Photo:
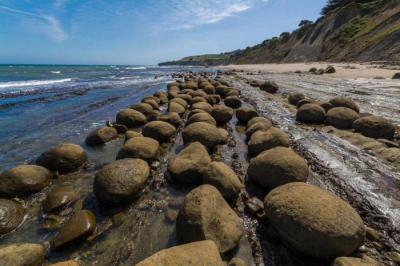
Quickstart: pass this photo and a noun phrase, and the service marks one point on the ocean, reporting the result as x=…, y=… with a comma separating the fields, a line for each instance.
x=44, y=105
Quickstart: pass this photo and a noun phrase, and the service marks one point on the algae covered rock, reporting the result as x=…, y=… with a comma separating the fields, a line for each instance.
x=222, y=114
x=259, y=119
x=24, y=254
x=244, y=114
x=58, y=198
x=139, y=148
x=260, y=126
x=121, y=181
x=205, y=215
x=264, y=140
x=196, y=253
x=311, y=114
x=187, y=166
x=314, y=221
x=202, y=106
x=269, y=86
x=176, y=107
x=64, y=158
x=276, y=167
x=375, y=127
x=130, y=134
x=233, y=102
x=202, y=117
x=172, y=118
x=12, y=215
x=295, y=97
x=78, y=228
x=101, y=136
x=208, y=135
x=223, y=178
x=159, y=130
x=24, y=180
x=350, y=261
x=143, y=108
x=341, y=117
x=131, y=118
x=345, y=102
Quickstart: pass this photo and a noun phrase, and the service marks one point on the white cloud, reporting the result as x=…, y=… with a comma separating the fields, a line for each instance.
x=186, y=14
x=48, y=24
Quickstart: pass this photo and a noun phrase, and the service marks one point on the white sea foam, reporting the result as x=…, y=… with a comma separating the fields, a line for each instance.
x=56, y=72
x=137, y=68
x=28, y=83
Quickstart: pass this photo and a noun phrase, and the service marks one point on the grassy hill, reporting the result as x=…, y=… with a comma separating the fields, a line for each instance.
x=348, y=30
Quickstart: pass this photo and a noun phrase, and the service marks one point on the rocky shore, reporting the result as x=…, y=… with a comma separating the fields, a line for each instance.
x=211, y=171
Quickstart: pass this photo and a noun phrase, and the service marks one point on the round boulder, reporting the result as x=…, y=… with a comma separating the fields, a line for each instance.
x=159, y=130
x=58, y=198
x=139, y=148
x=143, y=108
x=276, y=167
x=269, y=86
x=223, y=178
x=64, y=158
x=206, y=134
x=233, y=102
x=12, y=215
x=375, y=127
x=172, y=118
x=121, y=181
x=345, y=102
x=180, y=101
x=131, y=118
x=311, y=114
x=130, y=134
x=341, y=117
x=295, y=97
x=303, y=102
x=202, y=117
x=263, y=126
x=176, y=108
x=186, y=167
x=24, y=180
x=264, y=140
x=222, y=114
x=244, y=114
x=101, y=136
x=205, y=215
x=202, y=106
x=24, y=254
x=259, y=119
x=314, y=221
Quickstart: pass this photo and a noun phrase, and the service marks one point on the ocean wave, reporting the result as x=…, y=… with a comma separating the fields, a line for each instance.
x=29, y=83
x=136, y=68
x=56, y=72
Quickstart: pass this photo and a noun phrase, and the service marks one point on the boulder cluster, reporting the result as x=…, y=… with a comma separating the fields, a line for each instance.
x=342, y=113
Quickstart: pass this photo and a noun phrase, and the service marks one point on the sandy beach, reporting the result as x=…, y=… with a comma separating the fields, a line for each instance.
x=343, y=70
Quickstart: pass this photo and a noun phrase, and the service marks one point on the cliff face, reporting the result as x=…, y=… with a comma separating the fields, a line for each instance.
x=361, y=30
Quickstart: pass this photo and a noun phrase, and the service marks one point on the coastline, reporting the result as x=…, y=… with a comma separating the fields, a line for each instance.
x=343, y=70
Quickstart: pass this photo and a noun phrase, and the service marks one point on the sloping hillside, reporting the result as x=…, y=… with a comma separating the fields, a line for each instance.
x=348, y=30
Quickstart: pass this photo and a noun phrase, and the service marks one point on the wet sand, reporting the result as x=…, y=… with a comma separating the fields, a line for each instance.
x=343, y=70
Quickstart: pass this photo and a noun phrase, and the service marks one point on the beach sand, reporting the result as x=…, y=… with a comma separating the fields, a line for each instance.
x=343, y=70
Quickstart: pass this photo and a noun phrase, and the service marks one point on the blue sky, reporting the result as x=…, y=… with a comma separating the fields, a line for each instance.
x=140, y=31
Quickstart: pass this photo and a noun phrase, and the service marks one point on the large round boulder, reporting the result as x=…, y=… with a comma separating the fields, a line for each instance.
x=311, y=114
x=223, y=178
x=58, y=198
x=304, y=102
x=163, y=96
x=375, y=127
x=244, y=114
x=130, y=134
x=176, y=108
x=24, y=254
x=180, y=101
x=12, y=215
x=208, y=135
x=276, y=167
x=159, y=130
x=139, y=148
x=345, y=102
x=295, y=97
x=205, y=215
x=121, y=181
x=187, y=166
x=341, y=117
x=143, y=108
x=172, y=118
x=24, y=180
x=152, y=102
x=264, y=140
x=263, y=126
x=222, y=114
x=101, y=136
x=259, y=119
x=233, y=102
x=201, y=117
x=354, y=261
x=202, y=106
x=196, y=253
x=269, y=86
x=64, y=158
x=314, y=221
x=131, y=118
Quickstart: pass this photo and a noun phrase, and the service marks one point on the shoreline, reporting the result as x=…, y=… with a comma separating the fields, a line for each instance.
x=343, y=70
